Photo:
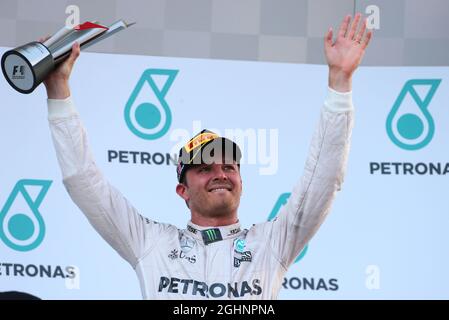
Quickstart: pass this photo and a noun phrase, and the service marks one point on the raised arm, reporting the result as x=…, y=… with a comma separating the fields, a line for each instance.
x=312, y=197
x=110, y=213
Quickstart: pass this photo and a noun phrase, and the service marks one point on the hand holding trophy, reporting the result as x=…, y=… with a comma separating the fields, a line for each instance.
x=25, y=67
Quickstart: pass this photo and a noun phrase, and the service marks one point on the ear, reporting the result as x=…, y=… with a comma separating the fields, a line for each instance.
x=181, y=190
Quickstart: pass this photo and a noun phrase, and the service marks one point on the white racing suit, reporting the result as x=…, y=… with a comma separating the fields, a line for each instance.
x=207, y=263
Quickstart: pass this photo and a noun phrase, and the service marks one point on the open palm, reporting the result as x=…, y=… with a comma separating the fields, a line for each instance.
x=345, y=54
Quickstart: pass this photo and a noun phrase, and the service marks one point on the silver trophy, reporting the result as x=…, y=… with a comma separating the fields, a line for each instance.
x=25, y=67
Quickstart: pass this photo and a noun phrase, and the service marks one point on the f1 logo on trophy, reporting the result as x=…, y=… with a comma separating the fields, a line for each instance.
x=25, y=67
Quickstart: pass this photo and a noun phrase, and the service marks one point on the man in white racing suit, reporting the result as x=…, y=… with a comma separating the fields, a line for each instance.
x=213, y=258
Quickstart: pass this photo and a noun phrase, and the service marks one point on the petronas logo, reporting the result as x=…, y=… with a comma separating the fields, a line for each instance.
x=410, y=124
x=147, y=113
x=22, y=227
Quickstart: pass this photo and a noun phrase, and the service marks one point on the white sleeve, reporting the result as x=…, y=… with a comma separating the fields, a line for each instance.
x=109, y=212
x=323, y=175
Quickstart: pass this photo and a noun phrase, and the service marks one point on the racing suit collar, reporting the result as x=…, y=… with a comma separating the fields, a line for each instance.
x=213, y=234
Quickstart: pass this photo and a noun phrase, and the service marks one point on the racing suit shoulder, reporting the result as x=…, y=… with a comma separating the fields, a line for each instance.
x=312, y=196
x=109, y=212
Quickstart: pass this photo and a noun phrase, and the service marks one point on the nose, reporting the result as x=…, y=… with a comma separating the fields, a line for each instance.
x=220, y=174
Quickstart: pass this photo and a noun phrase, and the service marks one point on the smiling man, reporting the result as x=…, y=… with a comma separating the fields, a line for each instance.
x=214, y=257
x=209, y=179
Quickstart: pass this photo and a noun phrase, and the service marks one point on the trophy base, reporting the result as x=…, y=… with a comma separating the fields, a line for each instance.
x=25, y=67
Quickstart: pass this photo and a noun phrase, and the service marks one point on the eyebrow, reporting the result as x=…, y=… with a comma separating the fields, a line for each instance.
x=202, y=165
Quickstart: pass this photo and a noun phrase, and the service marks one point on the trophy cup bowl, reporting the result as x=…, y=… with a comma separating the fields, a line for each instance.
x=25, y=67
